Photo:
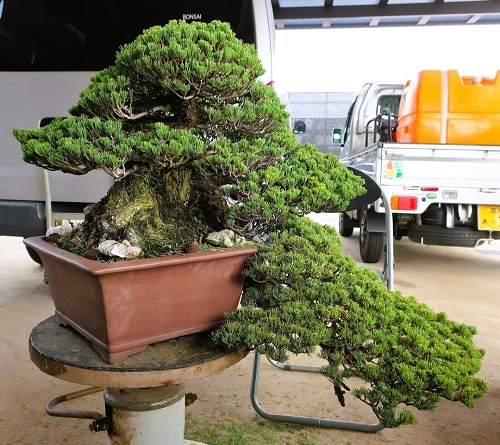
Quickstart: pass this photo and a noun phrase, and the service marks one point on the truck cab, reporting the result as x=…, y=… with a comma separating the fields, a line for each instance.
x=360, y=127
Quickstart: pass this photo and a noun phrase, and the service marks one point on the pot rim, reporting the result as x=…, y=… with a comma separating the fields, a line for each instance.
x=39, y=244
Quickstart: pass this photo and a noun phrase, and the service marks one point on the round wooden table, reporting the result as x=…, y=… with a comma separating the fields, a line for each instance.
x=144, y=395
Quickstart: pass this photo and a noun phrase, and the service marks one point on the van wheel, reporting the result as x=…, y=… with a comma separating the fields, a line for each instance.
x=34, y=256
x=441, y=236
x=371, y=244
x=343, y=230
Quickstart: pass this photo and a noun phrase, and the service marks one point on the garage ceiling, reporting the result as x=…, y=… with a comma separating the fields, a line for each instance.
x=310, y=14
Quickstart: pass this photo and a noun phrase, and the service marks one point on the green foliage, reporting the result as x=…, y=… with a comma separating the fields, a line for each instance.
x=80, y=144
x=189, y=75
x=197, y=144
x=303, y=292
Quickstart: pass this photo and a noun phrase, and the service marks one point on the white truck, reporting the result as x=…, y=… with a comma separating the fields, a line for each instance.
x=440, y=193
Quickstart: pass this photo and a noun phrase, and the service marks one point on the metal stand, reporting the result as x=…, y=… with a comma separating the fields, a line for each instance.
x=310, y=421
x=388, y=278
x=144, y=397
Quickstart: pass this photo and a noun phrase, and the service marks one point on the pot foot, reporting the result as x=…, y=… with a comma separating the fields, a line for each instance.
x=60, y=321
x=113, y=358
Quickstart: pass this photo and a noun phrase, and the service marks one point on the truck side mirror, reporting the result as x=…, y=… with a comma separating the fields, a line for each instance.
x=337, y=135
x=299, y=126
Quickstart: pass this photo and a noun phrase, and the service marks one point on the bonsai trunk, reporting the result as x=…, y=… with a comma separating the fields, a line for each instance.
x=154, y=210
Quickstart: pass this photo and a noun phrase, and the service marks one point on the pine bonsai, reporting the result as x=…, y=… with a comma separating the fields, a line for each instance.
x=197, y=144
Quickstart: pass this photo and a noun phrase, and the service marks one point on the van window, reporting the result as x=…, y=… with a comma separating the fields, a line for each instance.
x=84, y=35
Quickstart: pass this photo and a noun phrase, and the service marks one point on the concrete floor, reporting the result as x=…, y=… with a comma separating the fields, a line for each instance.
x=459, y=281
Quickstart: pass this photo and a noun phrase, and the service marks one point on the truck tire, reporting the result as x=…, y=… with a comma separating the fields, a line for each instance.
x=371, y=244
x=343, y=230
x=441, y=236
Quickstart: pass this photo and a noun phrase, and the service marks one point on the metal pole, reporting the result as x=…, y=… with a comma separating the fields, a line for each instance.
x=389, y=243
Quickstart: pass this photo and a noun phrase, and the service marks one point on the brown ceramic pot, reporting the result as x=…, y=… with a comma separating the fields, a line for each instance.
x=125, y=306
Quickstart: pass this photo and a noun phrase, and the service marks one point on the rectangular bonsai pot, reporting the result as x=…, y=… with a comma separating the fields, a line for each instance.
x=123, y=307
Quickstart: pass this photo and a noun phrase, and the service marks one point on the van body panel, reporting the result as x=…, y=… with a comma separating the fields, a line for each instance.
x=265, y=37
x=55, y=92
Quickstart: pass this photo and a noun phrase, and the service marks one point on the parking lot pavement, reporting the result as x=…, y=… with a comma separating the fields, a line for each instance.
x=461, y=282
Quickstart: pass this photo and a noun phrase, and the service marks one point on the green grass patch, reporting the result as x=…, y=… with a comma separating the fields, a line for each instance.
x=247, y=433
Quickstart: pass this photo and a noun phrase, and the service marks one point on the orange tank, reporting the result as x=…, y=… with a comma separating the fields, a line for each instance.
x=442, y=107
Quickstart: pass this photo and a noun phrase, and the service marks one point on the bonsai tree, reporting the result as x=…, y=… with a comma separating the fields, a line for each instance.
x=197, y=145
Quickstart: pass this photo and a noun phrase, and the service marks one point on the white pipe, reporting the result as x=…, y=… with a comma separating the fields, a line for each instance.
x=163, y=426
x=48, y=199
x=149, y=416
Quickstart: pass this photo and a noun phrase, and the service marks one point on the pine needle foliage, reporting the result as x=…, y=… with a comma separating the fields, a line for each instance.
x=196, y=144
x=303, y=292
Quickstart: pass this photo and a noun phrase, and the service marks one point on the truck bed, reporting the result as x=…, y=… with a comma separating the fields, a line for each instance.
x=473, y=170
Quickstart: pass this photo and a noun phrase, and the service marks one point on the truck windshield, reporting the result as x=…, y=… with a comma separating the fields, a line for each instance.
x=84, y=35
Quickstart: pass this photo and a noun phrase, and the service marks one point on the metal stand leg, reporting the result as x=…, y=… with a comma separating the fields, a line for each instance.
x=290, y=367
x=389, y=244
x=311, y=421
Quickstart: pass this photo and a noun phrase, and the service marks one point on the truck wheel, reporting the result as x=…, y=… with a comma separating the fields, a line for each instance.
x=343, y=230
x=441, y=236
x=371, y=244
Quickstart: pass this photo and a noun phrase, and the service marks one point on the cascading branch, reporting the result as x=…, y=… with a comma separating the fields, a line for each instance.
x=196, y=144
x=303, y=292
